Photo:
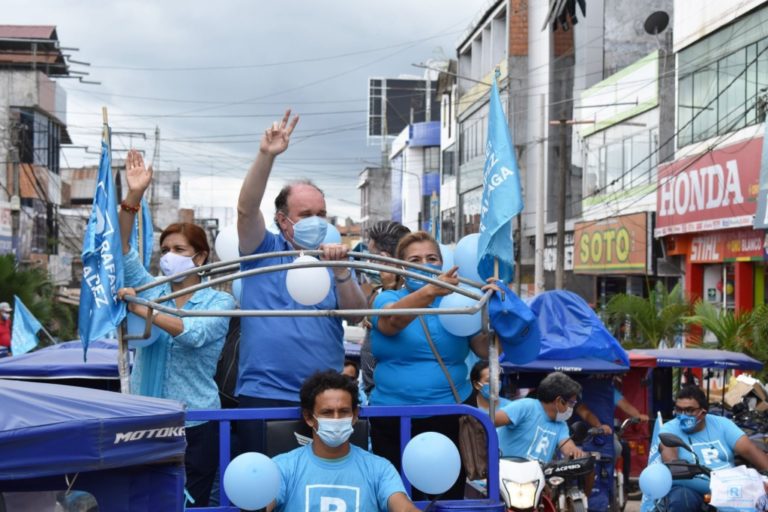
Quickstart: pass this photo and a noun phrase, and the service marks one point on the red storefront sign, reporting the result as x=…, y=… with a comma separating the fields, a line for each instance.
x=716, y=190
x=733, y=245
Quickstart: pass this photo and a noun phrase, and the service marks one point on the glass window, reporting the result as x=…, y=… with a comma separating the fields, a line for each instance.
x=448, y=226
x=431, y=158
x=685, y=110
x=614, y=167
x=731, y=86
x=449, y=162
x=705, y=114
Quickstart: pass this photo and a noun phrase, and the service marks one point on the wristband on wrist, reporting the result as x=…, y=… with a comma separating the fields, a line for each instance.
x=130, y=208
x=344, y=279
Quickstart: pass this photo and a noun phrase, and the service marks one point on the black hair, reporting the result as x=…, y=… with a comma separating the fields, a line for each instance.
x=323, y=381
x=354, y=364
x=477, y=370
x=281, y=201
x=557, y=384
x=387, y=234
x=689, y=391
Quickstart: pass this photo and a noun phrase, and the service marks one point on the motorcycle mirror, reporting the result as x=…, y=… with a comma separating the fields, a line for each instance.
x=579, y=432
x=672, y=441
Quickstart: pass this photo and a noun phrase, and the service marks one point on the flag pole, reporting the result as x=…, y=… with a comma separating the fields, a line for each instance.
x=493, y=360
x=122, y=344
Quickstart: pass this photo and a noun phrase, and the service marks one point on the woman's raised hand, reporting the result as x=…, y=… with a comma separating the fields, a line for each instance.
x=137, y=175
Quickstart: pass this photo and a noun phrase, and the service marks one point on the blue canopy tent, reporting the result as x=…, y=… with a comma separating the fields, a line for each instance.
x=125, y=450
x=693, y=358
x=63, y=363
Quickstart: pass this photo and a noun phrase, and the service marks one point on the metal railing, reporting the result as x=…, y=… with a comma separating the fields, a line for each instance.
x=225, y=417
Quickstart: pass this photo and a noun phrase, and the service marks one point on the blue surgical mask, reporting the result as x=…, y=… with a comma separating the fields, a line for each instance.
x=485, y=391
x=414, y=284
x=687, y=422
x=172, y=263
x=334, y=432
x=309, y=232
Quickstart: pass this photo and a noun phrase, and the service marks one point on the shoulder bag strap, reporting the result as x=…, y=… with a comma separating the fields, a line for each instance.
x=439, y=359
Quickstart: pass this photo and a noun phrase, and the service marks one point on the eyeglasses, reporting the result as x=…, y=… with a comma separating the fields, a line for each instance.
x=570, y=403
x=690, y=411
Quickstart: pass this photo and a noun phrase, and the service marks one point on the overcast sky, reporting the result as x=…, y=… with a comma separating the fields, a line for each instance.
x=213, y=75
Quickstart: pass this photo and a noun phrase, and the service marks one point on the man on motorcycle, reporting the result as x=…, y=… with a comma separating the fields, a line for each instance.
x=534, y=428
x=714, y=439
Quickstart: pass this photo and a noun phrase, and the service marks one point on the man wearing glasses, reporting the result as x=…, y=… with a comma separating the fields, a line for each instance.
x=715, y=440
x=534, y=429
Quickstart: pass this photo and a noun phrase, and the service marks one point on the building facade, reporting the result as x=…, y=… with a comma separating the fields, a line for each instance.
x=706, y=196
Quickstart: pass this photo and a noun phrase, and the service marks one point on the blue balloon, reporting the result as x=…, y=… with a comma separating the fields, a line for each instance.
x=447, y=254
x=332, y=235
x=237, y=290
x=460, y=325
x=465, y=256
x=136, y=328
x=656, y=481
x=431, y=462
x=252, y=481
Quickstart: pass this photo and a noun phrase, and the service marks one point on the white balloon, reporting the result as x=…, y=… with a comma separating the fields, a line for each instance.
x=308, y=286
x=227, y=244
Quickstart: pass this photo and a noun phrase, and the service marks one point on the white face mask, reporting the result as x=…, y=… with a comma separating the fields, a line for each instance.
x=565, y=415
x=172, y=263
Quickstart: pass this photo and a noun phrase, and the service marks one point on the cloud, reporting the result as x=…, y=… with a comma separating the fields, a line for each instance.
x=210, y=120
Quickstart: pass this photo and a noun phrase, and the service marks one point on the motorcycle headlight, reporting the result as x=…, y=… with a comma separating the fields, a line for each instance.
x=520, y=496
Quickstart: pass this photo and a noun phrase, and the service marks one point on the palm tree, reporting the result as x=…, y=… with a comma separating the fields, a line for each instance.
x=37, y=293
x=655, y=319
x=733, y=331
x=745, y=332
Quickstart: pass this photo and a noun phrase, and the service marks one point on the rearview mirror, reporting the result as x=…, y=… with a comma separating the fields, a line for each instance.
x=672, y=441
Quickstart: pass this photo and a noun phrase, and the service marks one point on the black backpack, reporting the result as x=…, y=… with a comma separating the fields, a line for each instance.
x=226, y=368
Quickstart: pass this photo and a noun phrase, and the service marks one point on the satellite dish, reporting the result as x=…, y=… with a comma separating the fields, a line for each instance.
x=656, y=23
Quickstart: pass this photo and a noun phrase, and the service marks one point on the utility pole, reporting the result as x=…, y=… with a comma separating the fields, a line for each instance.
x=541, y=185
x=15, y=198
x=562, y=176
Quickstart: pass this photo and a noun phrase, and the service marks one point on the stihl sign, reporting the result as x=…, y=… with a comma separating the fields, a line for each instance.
x=709, y=192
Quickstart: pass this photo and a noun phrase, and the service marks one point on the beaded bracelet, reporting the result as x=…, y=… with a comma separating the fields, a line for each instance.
x=128, y=208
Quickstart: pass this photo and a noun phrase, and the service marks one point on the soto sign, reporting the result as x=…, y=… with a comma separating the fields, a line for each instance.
x=609, y=246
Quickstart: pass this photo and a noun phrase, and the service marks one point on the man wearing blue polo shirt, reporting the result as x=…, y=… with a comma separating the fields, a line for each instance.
x=278, y=354
x=535, y=428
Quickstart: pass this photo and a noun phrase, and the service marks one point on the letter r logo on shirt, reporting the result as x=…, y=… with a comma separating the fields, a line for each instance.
x=710, y=456
x=543, y=445
x=328, y=504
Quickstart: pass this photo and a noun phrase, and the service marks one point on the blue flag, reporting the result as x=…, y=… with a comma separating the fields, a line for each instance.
x=654, y=457
x=146, y=232
x=24, y=330
x=502, y=199
x=100, y=309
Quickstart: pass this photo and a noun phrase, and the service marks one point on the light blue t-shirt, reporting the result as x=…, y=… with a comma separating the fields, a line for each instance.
x=358, y=482
x=407, y=372
x=531, y=434
x=189, y=359
x=278, y=354
x=713, y=446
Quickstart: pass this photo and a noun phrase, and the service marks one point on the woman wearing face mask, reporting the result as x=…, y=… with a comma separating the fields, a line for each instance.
x=181, y=363
x=480, y=377
x=407, y=371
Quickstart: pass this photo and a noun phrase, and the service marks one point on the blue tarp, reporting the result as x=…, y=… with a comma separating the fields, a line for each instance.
x=573, y=338
x=49, y=429
x=64, y=361
x=695, y=358
x=570, y=330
